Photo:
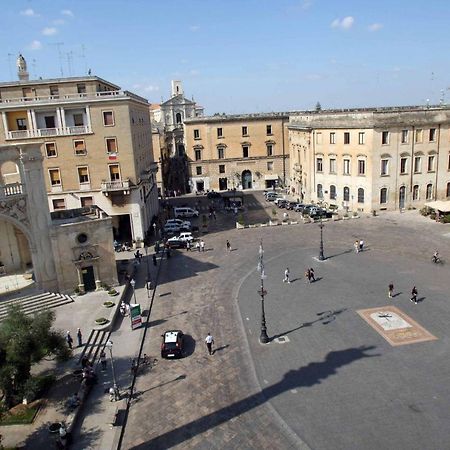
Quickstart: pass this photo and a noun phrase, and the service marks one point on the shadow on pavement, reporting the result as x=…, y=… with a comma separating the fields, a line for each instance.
x=189, y=345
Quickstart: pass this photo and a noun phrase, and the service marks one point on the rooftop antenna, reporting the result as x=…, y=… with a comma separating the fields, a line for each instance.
x=83, y=56
x=58, y=45
x=69, y=56
x=33, y=65
x=10, y=55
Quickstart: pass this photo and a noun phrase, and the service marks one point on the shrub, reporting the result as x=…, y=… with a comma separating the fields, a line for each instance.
x=112, y=291
x=446, y=218
x=274, y=212
x=355, y=214
x=425, y=211
x=241, y=220
x=101, y=321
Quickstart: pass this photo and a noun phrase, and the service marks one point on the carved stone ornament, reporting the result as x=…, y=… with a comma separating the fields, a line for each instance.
x=17, y=209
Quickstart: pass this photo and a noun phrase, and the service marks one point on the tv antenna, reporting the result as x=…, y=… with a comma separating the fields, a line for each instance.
x=69, y=56
x=58, y=45
x=10, y=55
x=83, y=56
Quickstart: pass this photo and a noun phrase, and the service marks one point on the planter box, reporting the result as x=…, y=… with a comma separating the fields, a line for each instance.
x=263, y=225
x=272, y=224
x=294, y=222
x=239, y=226
x=355, y=217
x=252, y=226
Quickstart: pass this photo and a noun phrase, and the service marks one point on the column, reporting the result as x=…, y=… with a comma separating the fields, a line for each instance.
x=80, y=279
x=5, y=124
x=33, y=121
x=88, y=118
x=63, y=118
x=98, y=282
x=58, y=119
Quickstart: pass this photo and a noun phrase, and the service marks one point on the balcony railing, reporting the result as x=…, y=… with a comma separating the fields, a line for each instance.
x=45, y=132
x=8, y=190
x=117, y=185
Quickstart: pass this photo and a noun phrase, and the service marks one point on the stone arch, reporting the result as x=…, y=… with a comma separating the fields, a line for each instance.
x=246, y=179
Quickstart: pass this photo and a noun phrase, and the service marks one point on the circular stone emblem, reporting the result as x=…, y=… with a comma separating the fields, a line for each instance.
x=82, y=238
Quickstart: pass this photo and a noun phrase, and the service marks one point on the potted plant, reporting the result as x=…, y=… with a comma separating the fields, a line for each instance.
x=108, y=304
x=112, y=292
x=101, y=321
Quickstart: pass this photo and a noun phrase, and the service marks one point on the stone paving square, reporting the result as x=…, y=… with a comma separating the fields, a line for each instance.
x=395, y=326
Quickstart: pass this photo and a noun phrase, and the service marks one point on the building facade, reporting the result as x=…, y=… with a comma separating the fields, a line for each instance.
x=96, y=143
x=372, y=159
x=237, y=152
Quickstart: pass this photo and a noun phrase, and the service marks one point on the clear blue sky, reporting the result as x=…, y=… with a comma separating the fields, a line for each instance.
x=241, y=55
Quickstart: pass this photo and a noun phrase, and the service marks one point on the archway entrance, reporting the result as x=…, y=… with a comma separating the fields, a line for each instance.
x=88, y=278
x=246, y=179
x=223, y=184
x=401, y=197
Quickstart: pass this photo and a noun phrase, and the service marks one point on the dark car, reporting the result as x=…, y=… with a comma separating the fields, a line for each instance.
x=321, y=213
x=290, y=205
x=175, y=243
x=213, y=194
x=172, y=344
x=282, y=203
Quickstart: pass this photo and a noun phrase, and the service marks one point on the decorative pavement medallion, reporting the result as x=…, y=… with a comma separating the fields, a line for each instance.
x=395, y=326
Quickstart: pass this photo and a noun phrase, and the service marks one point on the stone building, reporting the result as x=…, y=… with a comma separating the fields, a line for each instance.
x=237, y=151
x=371, y=159
x=168, y=138
x=96, y=142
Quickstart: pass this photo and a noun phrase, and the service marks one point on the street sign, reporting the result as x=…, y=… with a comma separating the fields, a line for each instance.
x=135, y=315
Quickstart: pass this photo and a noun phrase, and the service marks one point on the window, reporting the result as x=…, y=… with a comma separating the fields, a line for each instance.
x=332, y=192
x=269, y=149
x=244, y=131
x=58, y=203
x=361, y=138
x=114, y=172
x=83, y=175
x=417, y=164
x=81, y=88
x=431, y=159
x=196, y=134
x=178, y=118
x=108, y=118
x=219, y=132
x=403, y=165
x=269, y=166
x=55, y=177
x=220, y=152
x=346, y=194
x=21, y=124
x=268, y=129
x=383, y=195
x=78, y=120
x=385, y=138
x=80, y=147
x=221, y=168
x=429, y=191
x=448, y=162
x=361, y=167
x=384, y=167
x=319, y=165
x=360, y=195
x=198, y=170
x=198, y=154
x=432, y=135
x=50, y=149
x=245, y=151
x=318, y=138
x=416, y=192
x=111, y=145
x=346, y=167
x=319, y=191
x=86, y=201
x=419, y=136
x=404, y=138
x=54, y=91
x=332, y=165
x=332, y=138
x=448, y=190
x=346, y=137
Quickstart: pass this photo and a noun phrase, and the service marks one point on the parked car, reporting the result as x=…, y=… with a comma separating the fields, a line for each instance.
x=271, y=196
x=185, y=212
x=299, y=207
x=321, y=213
x=213, y=194
x=172, y=228
x=282, y=203
x=174, y=242
x=184, y=237
x=290, y=205
x=172, y=344
x=279, y=199
x=183, y=224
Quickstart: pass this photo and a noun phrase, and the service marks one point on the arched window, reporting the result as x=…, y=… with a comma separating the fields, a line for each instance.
x=360, y=195
x=383, y=195
x=346, y=194
x=448, y=189
x=416, y=192
x=319, y=191
x=178, y=118
x=332, y=192
x=429, y=191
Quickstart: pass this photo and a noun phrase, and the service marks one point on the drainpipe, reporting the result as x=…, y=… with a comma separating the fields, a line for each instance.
x=284, y=155
x=313, y=187
x=413, y=137
x=437, y=161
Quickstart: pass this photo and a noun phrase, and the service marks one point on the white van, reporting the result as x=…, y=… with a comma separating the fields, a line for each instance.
x=185, y=212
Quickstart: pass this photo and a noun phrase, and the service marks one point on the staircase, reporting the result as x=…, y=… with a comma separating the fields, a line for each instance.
x=35, y=303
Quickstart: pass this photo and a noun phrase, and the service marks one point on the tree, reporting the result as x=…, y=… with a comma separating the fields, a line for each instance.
x=24, y=341
x=318, y=106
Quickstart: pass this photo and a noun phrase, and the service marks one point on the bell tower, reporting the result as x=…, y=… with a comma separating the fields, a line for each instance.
x=177, y=88
x=22, y=68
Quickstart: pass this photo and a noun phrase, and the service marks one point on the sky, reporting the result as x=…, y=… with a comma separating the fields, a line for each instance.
x=240, y=56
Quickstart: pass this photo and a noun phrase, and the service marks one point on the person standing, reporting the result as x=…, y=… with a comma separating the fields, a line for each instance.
x=202, y=245
x=286, y=276
x=79, y=337
x=390, y=289
x=361, y=245
x=154, y=259
x=228, y=246
x=311, y=274
x=414, y=295
x=69, y=340
x=308, y=276
x=209, y=341
x=188, y=246
x=356, y=245
x=103, y=359
x=197, y=246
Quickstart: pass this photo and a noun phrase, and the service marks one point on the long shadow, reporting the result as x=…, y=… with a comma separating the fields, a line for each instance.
x=303, y=377
x=340, y=254
x=138, y=394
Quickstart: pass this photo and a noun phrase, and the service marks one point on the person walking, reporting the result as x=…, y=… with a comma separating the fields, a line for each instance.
x=356, y=245
x=311, y=272
x=103, y=359
x=197, y=246
x=79, y=337
x=361, y=245
x=228, y=246
x=308, y=276
x=188, y=246
x=209, y=341
x=202, y=245
x=286, y=276
x=69, y=340
x=414, y=295
x=154, y=259
x=390, y=289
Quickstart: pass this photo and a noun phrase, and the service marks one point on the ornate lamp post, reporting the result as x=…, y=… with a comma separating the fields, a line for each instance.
x=321, y=256
x=109, y=346
x=133, y=284
x=263, y=338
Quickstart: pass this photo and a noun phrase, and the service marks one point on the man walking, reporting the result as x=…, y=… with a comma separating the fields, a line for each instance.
x=202, y=245
x=390, y=289
x=69, y=340
x=209, y=343
x=414, y=295
x=311, y=274
x=356, y=245
x=79, y=337
x=228, y=246
x=286, y=276
x=361, y=245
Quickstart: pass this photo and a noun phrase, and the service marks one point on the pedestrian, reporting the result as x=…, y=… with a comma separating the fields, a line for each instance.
x=103, y=359
x=197, y=246
x=356, y=245
x=69, y=340
x=390, y=289
x=228, y=246
x=361, y=245
x=235, y=211
x=154, y=260
x=79, y=337
x=286, y=276
x=414, y=295
x=84, y=362
x=214, y=215
x=311, y=274
x=308, y=276
x=202, y=245
x=188, y=246
x=209, y=343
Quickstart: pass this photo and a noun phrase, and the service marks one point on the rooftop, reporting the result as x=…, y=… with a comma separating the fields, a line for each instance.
x=76, y=215
x=57, y=81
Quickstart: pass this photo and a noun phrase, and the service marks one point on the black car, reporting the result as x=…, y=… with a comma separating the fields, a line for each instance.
x=175, y=243
x=172, y=345
x=213, y=194
x=321, y=213
x=290, y=205
x=282, y=203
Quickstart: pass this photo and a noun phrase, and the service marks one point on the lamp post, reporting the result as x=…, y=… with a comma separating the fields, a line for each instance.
x=321, y=256
x=109, y=346
x=133, y=284
x=263, y=338
x=148, y=283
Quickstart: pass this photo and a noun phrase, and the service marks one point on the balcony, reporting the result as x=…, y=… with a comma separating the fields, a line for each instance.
x=46, y=132
x=116, y=186
x=9, y=190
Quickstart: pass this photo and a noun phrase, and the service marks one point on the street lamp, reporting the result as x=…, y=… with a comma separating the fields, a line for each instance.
x=148, y=283
x=263, y=338
x=109, y=346
x=321, y=256
x=133, y=283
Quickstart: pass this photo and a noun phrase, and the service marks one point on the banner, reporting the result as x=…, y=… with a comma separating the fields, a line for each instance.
x=135, y=315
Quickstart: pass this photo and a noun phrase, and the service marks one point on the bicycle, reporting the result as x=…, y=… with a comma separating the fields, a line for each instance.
x=436, y=260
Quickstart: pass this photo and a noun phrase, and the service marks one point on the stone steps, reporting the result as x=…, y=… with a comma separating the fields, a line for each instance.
x=35, y=303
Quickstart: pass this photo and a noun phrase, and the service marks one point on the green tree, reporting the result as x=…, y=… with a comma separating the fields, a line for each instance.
x=24, y=341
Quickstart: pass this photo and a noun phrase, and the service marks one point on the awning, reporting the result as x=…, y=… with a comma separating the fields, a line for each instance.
x=440, y=205
x=271, y=177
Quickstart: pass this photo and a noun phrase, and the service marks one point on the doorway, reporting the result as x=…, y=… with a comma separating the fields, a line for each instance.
x=49, y=121
x=88, y=278
x=246, y=179
x=401, y=197
x=200, y=185
x=223, y=184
